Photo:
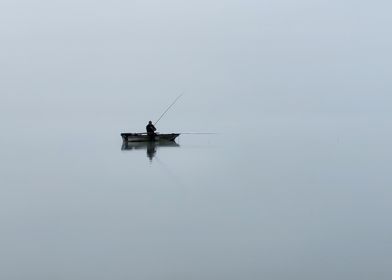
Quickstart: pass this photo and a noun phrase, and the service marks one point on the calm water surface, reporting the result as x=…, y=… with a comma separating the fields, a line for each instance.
x=294, y=199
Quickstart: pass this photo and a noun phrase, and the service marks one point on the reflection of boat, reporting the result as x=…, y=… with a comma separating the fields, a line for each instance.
x=143, y=137
x=150, y=146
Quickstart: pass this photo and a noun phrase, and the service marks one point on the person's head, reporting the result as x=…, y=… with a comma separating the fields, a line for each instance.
x=150, y=122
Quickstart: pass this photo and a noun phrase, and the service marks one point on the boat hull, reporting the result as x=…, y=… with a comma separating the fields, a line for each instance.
x=143, y=137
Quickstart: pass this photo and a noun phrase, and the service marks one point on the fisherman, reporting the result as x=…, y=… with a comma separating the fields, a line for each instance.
x=151, y=130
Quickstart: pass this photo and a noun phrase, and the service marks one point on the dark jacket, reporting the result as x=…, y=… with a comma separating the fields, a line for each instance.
x=150, y=128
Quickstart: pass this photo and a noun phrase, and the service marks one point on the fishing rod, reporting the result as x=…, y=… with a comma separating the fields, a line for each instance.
x=202, y=133
x=178, y=97
x=193, y=133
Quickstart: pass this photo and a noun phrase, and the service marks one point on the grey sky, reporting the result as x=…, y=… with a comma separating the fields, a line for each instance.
x=86, y=58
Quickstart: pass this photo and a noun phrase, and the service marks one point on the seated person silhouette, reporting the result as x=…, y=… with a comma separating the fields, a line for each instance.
x=151, y=131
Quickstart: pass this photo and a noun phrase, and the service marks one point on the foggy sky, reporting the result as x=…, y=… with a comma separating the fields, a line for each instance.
x=127, y=60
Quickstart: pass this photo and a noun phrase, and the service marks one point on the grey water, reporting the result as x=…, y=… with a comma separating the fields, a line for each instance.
x=294, y=184
x=309, y=200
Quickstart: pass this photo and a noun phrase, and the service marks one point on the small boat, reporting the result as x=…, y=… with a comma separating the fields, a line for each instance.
x=143, y=137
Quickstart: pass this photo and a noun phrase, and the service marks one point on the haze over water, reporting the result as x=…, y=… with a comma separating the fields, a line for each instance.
x=294, y=185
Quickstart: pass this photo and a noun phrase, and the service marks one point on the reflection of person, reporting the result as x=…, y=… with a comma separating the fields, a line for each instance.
x=151, y=130
x=151, y=150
